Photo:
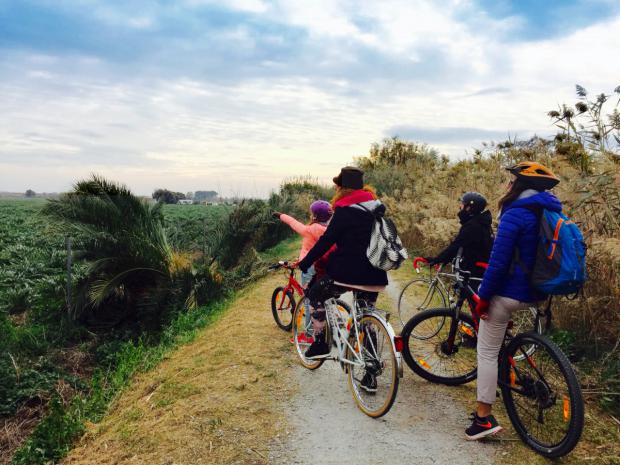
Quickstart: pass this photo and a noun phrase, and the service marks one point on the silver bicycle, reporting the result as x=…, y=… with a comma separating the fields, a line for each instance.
x=366, y=347
x=436, y=290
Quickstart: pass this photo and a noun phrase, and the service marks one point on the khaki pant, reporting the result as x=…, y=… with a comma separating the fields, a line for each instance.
x=490, y=337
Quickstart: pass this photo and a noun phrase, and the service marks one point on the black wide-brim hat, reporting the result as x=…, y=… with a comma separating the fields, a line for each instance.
x=350, y=177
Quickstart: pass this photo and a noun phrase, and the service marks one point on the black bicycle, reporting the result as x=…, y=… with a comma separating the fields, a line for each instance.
x=539, y=386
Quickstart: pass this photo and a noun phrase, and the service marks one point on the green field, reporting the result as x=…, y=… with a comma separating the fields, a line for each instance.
x=189, y=227
x=33, y=256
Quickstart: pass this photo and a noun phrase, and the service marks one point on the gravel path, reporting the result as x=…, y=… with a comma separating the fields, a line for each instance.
x=425, y=425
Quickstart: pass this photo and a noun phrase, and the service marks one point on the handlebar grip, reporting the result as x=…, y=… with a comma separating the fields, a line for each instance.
x=416, y=260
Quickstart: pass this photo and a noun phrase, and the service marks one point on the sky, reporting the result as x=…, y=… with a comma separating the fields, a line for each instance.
x=237, y=95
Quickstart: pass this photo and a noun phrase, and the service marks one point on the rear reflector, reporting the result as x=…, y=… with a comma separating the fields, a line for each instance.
x=398, y=343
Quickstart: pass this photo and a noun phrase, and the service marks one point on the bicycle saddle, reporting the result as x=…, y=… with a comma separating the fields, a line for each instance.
x=361, y=287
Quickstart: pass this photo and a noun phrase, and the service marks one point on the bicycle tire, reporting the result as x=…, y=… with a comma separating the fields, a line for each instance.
x=280, y=313
x=525, y=321
x=300, y=348
x=391, y=376
x=411, y=302
x=426, y=355
x=544, y=391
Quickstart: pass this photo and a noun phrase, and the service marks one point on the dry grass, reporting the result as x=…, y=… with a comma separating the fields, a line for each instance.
x=214, y=401
x=16, y=429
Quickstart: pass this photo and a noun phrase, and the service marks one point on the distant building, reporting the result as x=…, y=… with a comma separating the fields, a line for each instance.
x=186, y=202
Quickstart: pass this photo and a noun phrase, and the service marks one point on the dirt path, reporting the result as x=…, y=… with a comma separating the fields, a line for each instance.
x=425, y=425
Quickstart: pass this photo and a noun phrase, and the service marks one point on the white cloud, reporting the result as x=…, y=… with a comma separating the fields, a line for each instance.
x=161, y=128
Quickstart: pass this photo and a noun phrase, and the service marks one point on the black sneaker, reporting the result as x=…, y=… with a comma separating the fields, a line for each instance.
x=369, y=383
x=482, y=427
x=318, y=349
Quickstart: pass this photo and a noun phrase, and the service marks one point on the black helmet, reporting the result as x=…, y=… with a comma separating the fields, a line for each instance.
x=475, y=201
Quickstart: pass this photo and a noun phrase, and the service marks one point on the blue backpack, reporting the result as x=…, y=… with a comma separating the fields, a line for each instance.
x=560, y=266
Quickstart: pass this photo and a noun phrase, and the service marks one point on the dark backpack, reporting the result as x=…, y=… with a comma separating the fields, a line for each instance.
x=560, y=266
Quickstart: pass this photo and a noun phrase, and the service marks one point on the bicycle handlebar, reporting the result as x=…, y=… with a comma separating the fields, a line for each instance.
x=283, y=264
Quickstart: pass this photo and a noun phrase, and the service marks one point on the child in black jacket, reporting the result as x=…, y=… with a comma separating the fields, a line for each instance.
x=475, y=238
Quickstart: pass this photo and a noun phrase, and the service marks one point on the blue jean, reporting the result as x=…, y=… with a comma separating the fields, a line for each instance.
x=305, y=280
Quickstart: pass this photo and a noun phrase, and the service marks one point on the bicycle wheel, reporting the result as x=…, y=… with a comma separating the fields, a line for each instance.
x=303, y=335
x=282, y=307
x=428, y=353
x=418, y=295
x=375, y=348
x=542, y=395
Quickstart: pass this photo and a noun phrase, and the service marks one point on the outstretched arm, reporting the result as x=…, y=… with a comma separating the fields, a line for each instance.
x=295, y=225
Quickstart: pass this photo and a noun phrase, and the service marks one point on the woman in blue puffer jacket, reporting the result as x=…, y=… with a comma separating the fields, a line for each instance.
x=505, y=286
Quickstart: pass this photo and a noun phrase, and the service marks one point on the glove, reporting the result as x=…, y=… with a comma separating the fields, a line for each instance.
x=430, y=260
x=482, y=308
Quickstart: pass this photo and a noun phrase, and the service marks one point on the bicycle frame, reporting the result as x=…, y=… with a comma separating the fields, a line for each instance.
x=293, y=284
x=341, y=331
x=466, y=294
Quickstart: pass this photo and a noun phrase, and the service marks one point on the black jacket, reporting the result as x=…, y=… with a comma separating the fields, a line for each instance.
x=476, y=239
x=350, y=230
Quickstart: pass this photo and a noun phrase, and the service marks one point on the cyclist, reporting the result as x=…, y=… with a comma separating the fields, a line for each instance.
x=475, y=238
x=320, y=214
x=505, y=286
x=350, y=229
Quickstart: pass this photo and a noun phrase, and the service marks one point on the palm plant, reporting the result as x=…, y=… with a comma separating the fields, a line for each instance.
x=121, y=238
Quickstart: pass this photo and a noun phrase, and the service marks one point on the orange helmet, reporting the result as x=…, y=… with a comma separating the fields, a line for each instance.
x=535, y=175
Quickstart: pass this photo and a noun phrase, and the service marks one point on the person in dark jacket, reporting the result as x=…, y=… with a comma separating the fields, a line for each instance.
x=349, y=229
x=475, y=238
x=505, y=286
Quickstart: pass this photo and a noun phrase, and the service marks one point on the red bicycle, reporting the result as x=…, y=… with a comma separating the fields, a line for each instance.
x=283, y=298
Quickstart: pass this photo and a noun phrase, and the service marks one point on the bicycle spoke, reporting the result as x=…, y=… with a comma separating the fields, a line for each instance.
x=377, y=354
x=433, y=355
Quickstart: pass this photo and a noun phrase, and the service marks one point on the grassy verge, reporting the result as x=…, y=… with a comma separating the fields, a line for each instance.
x=217, y=400
x=65, y=420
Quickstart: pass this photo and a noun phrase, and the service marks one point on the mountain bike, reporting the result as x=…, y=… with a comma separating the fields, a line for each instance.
x=364, y=344
x=432, y=290
x=538, y=384
x=283, y=301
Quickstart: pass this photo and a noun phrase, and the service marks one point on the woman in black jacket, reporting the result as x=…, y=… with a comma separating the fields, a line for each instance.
x=349, y=229
x=475, y=238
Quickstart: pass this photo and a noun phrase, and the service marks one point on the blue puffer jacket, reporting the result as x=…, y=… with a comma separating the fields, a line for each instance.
x=518, y=227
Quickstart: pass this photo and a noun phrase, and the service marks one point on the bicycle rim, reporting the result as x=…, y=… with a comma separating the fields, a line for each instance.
x=418, y=295
x=302, y=342
x=542, y=396
x=432, y=357
x=282, y=308
x=378, y=354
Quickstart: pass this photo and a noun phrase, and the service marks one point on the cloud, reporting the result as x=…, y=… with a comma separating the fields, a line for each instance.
x=247, y=92
x=451, y=135
x=489, y=91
